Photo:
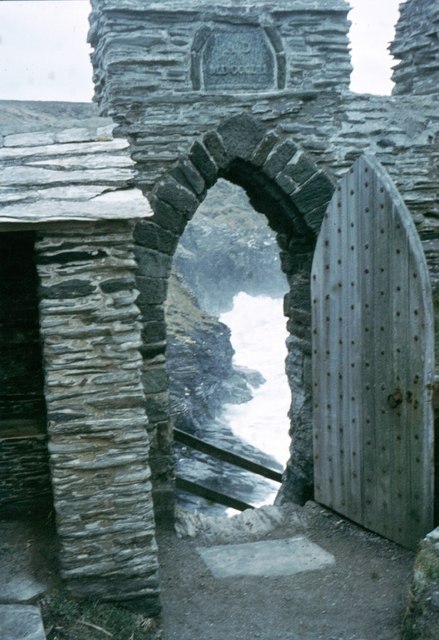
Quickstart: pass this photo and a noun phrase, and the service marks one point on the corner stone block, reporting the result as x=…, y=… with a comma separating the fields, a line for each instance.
x=216, y=148
x=178, y=197
x=202, y=160
x=166, y=216
x=153, y=332
x=152, y=291
x=157, y=407
x=241, y=135
x=155, y=379
x=300, y=168
x=153, y=264
x=151, y=235
x=187, y=175
x=279, y=157
x=315, y=193
x=264, y=148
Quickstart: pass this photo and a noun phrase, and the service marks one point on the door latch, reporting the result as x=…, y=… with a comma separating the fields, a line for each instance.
x=395, y=399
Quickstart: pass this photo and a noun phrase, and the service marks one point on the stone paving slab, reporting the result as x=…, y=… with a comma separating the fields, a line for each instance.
x=21, y=622
x=266, y=558
x=18, y=583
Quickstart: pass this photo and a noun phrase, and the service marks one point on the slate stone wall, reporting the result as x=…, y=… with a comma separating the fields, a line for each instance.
x=160, y=74
x=416, y=46
x=98, y=442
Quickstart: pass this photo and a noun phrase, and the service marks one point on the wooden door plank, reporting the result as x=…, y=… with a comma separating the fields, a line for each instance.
x=372, y=349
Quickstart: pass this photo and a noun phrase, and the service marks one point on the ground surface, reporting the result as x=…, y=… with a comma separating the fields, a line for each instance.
x=361, y=597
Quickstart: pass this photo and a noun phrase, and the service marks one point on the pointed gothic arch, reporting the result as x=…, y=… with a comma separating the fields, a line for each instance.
x=284, y=184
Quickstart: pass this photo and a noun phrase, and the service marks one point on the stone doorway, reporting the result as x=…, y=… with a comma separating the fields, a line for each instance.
x=24, y=468
x=284, y=184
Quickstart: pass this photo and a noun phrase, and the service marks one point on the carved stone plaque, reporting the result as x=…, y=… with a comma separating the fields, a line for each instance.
x=240, y=57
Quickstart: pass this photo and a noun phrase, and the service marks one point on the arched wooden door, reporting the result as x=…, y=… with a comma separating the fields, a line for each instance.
x=373, y=360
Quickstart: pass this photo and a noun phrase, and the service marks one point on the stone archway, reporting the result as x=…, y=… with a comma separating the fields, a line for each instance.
x=283, y=183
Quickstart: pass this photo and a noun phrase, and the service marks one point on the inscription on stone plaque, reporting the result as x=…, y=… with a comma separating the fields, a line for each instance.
x=240, y=57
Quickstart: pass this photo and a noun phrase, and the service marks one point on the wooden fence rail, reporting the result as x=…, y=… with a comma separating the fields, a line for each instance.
x=226, y=456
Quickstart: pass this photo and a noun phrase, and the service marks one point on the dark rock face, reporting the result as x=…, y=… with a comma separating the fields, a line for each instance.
x=228, y=248
x=202, y=377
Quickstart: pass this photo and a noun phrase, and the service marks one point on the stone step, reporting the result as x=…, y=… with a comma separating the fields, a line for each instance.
x=21, y=622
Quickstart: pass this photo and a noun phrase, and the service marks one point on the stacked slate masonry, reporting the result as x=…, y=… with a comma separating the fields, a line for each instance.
x=279, y=121
x=71, y=335
x=179, y=79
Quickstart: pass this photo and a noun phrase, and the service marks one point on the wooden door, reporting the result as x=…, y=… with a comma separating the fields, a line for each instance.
x=373, y=360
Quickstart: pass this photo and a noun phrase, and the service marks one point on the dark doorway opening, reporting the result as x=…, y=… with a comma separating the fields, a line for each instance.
x=24, y=470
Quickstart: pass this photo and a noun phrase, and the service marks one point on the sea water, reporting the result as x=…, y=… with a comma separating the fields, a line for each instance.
x=258, y=334
x=258, y=337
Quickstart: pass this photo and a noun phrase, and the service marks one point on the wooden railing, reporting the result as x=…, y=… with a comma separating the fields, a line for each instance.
x=226, y=456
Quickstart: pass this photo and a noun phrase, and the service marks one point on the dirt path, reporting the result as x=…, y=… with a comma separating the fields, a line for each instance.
x=361, y=597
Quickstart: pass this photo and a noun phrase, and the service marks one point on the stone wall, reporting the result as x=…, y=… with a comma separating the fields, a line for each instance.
x=160, y=75
x=416, y=46
x=98, y=445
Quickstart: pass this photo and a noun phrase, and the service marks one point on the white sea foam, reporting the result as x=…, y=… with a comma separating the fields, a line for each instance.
x=258, y=336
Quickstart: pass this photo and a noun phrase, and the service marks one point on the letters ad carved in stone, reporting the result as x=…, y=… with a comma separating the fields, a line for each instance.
x=238, y=58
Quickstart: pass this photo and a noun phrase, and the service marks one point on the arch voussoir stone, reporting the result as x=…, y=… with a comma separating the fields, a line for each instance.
x=148, y=233
x=280, y=155
x=264, y=148
x=215, y=146
x=312, y=198
x=180, y=198
x=187, y=175
x=204, y=163
x=166, y=216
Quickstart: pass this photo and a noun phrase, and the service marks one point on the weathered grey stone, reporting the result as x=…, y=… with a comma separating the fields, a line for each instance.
x=215, y=147
x=155, y=379
x=263, y=149
x=152, y=290
x=29, y=139
x=416, y=46
x=19, y=584
x=167, y=217
x=266, y=558
x=279, y=157
x=238, y=57
x=153, y=264
x=312, y=193
x=422, y=615
x=21, y=622
x=177, y=196
x=74, y=288
x=188, y=176
x=241, y=135
x=201, y=159
x=151, y=235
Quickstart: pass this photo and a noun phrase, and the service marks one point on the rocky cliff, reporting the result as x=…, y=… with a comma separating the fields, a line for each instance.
x=227, y=248
x=202, y=376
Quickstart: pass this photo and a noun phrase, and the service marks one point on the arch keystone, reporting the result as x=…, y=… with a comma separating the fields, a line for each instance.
x=241, y=135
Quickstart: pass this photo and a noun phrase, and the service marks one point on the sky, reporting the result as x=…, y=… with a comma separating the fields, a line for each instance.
x=44, y=54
